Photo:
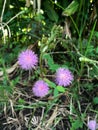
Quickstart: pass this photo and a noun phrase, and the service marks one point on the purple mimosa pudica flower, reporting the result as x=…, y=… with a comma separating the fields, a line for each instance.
x=63, y=77
x=27, y=59
x=40, y=88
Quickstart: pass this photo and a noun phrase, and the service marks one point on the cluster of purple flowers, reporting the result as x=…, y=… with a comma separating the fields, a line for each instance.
x=63, y=77
x=28, y=59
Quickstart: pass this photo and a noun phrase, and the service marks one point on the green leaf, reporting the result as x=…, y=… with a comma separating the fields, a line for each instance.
x=52, y=66
x=48, y=58
x=50, y=11
x=76, y=124
x=71, y=9
x=95, y=100
x=60, y=89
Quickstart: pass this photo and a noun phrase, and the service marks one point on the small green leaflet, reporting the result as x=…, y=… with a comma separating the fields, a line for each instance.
x=76, y=124
x=71, y=9
x=61, y=89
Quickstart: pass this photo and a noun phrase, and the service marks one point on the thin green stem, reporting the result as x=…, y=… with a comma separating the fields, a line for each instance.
x=91, y=35
x=75, y=25
x=57, y=4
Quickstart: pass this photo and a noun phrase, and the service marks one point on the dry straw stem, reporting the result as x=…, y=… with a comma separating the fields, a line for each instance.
x=14, y=17
x=3, y=11
x=9, y=70
x=2, y=25
x=27, y=3
x=38, y=5
x=52, y=118
x=11, y=118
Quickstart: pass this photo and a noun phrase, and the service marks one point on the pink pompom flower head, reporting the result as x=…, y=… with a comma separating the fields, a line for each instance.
x=27, y=59
x=92, y=125
x=40, y=88
x=63, y=77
